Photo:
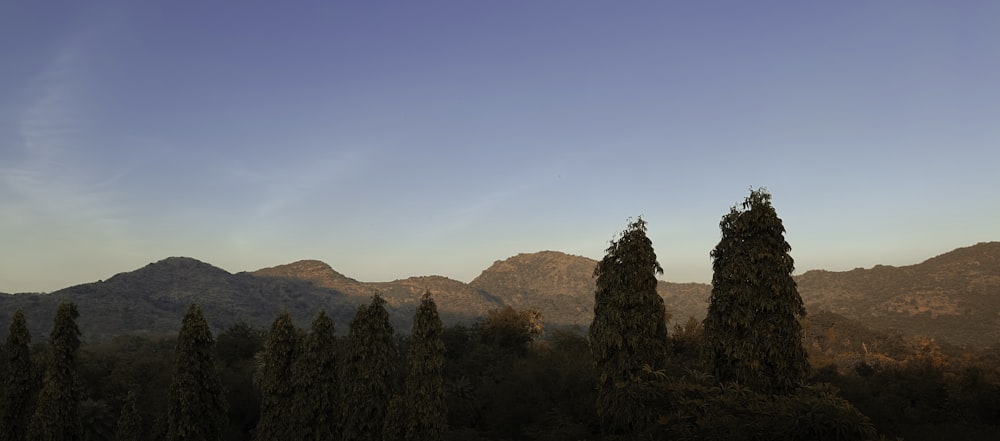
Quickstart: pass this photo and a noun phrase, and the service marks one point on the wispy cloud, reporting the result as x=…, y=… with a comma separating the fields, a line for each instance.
x=49, y=174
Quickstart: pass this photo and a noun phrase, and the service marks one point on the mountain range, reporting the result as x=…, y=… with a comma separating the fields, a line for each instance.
x=953, y=297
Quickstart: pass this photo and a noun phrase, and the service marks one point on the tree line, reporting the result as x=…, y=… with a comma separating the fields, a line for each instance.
x=742, y=373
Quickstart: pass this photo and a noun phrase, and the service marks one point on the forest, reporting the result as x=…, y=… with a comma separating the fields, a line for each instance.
x=749, y=371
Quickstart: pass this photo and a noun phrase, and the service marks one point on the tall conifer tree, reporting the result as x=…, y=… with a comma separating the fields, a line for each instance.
x=57, y=415
x=629, y=330
x=426, y=414
x=752, y=334
x=197, y=408
x=276, y=381
x=317, y=384
x=371, y=352
x=19, y=386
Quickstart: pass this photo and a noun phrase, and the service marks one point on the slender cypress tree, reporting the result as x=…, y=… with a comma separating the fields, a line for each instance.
x=369, y=370
x=317, y=384
x=426, y=413
x=57, y=415
x=277, y=381
x=629, y=330
x=130, y=422
x=196, y=409
x=752, y=334
x=19, y=386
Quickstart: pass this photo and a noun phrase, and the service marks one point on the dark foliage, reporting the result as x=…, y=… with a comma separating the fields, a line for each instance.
x=370, y=368
x=317, y=383
x=197, y=407
x=57, y=416
x=129, y=421
x=19, y=386
x=752, y=333
x=425, y=412
x=276, y=381
x=237, y=347
x=510, y=330
x=629, y=331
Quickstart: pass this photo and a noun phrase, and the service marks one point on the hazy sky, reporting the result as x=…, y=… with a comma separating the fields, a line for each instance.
x=392, y=139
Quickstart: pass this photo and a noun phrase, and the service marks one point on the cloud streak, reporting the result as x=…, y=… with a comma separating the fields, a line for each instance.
x=50, y=175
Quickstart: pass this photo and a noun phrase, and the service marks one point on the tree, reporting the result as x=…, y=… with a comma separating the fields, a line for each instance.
x=19, y=384
x=57, y=415
x=130, y=422
x=510, y=330
x=197, y=409
x=426, y=414
x=318, y=407
x=276, y=381
x=752, y=334
x=629, y=331
x=371, y=352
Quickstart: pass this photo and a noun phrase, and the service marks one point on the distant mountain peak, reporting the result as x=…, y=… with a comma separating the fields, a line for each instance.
x=542, y=260
x=300, y=268
x=174, y=265
x=317, y=272
x=179, y=261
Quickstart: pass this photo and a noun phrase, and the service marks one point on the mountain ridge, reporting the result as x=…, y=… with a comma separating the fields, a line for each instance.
x=953, y=296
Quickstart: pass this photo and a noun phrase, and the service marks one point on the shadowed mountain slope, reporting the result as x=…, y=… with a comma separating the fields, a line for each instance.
x=457, y=301
x=954, y=297
x=154, y=299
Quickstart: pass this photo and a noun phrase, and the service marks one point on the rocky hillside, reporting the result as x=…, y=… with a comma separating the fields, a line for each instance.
x=457, y=301
x=954, y=297
x=154, y=299
x=561, y=286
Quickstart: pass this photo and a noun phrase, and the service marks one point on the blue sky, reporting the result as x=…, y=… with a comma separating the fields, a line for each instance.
x=392, y=139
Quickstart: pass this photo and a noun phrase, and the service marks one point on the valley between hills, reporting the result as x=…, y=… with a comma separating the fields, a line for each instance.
x=953, y=298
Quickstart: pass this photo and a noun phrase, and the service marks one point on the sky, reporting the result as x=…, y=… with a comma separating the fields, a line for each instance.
x=393, y=139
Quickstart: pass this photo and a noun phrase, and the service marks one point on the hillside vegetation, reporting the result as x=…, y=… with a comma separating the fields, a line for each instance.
x=954, y=297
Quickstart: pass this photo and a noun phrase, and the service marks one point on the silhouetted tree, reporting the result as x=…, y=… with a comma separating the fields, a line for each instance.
x=318, y=388
x=276, y=381
x=57, y=415
x=19, y=384
x=629, y=331
x=371, y=352
x=197, y=408
x=130, y=422
x=752, y=334
x=426, y=414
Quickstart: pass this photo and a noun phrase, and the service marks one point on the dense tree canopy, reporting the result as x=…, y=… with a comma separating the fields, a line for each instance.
x=372, y=353
x=629, y=331
x=509, y=329
x=921, y=391
x=426, y=415
x=197, y=407
x=752, y=334
x=276, y=381
x=19, y=385
x=57, y=414
x=317, y=383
